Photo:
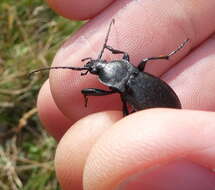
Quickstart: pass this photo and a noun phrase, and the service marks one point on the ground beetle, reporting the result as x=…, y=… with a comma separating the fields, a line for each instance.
x=138, y=89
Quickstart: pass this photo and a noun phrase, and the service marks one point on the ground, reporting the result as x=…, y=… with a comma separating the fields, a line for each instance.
x=30, y=35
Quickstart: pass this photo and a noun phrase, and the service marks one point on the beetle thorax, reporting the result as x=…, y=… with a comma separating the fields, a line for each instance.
x=115, y=74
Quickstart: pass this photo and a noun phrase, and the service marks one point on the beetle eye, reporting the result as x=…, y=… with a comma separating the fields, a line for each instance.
x=93, y=70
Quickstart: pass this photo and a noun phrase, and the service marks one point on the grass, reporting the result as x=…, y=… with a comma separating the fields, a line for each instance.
x=30, y=34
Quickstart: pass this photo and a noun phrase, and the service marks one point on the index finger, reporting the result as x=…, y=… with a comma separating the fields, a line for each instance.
x=158, y=28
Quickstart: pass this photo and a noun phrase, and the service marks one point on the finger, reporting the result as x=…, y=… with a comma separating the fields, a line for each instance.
x=74, y=147
x=79, y=10
x=148, y=139
x=52, y=118
x=194, y=79
x=127, y=34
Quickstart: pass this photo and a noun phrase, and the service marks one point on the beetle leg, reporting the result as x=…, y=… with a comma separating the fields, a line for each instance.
x=142, y=64
x=87, y=58
x=106, y=39
x=125, y=109
x=94, y=92
x=133, y=111
x=115, y=51
x=124, y=106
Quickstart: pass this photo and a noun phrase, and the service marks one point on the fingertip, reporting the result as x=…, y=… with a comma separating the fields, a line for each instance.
x=76, y=144
x=54, y=121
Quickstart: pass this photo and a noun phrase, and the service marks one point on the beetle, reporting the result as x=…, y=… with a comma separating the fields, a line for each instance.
x=137, y=88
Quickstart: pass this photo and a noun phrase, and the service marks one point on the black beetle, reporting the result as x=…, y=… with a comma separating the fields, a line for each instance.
x=139, y=89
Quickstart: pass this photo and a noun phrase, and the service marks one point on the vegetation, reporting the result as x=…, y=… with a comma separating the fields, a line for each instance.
x=30, y=34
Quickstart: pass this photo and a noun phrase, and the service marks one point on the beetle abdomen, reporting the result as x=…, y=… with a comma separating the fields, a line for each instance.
x=151, y=93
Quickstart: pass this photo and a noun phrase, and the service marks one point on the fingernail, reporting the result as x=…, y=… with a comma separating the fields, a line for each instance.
x=178, y=175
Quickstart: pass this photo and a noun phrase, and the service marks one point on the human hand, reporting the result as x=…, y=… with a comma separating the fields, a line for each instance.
x=104, y=151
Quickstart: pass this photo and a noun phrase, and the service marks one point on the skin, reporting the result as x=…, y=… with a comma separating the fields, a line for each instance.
x=159, y=148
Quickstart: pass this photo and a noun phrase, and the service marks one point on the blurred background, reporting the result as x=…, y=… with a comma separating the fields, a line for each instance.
x=30, y=34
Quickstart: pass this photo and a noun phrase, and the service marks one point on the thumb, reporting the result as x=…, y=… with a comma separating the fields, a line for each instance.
x=150, y=139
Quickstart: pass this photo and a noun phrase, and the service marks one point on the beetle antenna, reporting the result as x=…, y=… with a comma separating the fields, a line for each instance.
x=179, y=47
x=49, y=68
x=106, y=39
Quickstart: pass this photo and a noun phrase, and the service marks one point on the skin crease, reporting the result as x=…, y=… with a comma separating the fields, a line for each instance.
x=110, y=154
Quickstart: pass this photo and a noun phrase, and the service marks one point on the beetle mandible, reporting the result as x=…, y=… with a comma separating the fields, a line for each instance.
x=137, y=88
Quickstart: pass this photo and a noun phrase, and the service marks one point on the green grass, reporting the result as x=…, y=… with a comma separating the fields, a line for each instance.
x=30, y=34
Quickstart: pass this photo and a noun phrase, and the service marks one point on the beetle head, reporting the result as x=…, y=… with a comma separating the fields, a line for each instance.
x=93, y=65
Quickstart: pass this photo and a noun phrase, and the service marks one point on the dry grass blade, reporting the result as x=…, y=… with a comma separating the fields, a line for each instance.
x=24, y=119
